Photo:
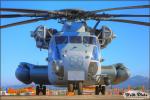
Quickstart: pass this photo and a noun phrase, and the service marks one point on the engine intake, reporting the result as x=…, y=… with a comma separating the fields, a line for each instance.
x=42, y=36
x=117, y=73
x=105, y=36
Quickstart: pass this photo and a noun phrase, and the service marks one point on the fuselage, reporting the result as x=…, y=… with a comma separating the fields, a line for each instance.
x=74, y=54
x=73, y=51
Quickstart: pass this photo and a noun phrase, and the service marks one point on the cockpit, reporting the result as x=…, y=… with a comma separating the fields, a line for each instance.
x=61, y=39
x=75, y=39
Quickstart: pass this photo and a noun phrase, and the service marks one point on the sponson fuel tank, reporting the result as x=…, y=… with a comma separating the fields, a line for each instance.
x=117, y=72
x=28, y=73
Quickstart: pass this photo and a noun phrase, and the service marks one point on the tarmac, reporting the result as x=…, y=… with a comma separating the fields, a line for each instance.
x=79, y=97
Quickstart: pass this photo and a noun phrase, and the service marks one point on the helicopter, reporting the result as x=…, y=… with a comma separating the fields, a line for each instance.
x=74, y=53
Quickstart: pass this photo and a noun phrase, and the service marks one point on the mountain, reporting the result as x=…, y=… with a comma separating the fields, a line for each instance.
x=135, y=81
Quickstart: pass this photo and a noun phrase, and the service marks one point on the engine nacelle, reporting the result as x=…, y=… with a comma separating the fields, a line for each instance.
x=42, y=36
x=28, y=73
x=117, y=73
x=105, y=36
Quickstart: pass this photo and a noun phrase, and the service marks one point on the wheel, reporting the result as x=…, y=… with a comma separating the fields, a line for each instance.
x=96, y=90
x=103, y=90
x=80, y=88
x=99, y=88
x=70, y=87
x=44, y=90
x=37, y=90
x=76, y=92
x=106, y=81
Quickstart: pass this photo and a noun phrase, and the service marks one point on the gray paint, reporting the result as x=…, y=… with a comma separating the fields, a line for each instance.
x=72, y=57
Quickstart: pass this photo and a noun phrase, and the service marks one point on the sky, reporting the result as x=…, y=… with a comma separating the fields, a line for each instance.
x=131, y=47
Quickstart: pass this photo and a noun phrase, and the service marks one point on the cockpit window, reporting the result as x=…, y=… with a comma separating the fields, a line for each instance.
x=61, y=39
x=75, y=39
x=89, y=40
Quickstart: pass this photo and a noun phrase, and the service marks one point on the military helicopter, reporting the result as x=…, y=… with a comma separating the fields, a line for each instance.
x=74, y=53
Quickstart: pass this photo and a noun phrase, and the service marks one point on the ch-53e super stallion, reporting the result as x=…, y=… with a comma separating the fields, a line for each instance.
x=74, y=53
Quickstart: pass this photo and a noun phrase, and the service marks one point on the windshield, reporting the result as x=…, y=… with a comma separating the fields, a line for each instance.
x=75, y=39
x=61, y=39
x=89, y=40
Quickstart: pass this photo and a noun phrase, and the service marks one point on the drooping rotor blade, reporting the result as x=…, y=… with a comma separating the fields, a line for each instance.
x=10, y=16
x=128, y=21
x=24, y=22
x=122, y=8
x=31, y=11
x=26, y=15
x=22, y=10
x=118, y=15
x=60, y=16
x=123, y=15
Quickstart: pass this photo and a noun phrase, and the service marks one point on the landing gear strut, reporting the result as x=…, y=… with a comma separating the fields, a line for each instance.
x=75, y=86
x=99, y=89
x=96, y=90
x=70, y=87
x=80, y=88
x=40, y=89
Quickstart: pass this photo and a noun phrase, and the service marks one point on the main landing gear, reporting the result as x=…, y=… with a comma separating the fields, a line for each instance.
x=40, y=90
x=99, y=89
x=76, y=87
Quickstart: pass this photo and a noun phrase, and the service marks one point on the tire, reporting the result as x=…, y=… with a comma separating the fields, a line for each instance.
x=80, y=88
x=96, y=90
x=99, y=88
x=44, y=90
x=103, y=90
x=106, y=81
x=76, y=92
x=70, y=87
x=37, y=90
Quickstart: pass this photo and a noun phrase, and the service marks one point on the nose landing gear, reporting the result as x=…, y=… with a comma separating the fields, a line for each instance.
x=76, y=87
x=40, y=89
x=99, y=89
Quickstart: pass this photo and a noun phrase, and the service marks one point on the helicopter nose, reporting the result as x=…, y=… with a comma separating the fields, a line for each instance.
x=74, y=59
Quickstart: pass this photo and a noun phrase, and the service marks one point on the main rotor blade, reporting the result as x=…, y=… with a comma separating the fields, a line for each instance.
x=60, y=16
x=129, y=21
x=22, y=10
x=11, y=16
x=128, y=15
x=24, y=22
x=120, y=15
x=104, y=16
x=122, y=8
x=31, y=11
x=25, y=15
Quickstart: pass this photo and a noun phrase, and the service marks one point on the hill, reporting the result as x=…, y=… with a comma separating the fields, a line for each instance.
x=135, y=81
